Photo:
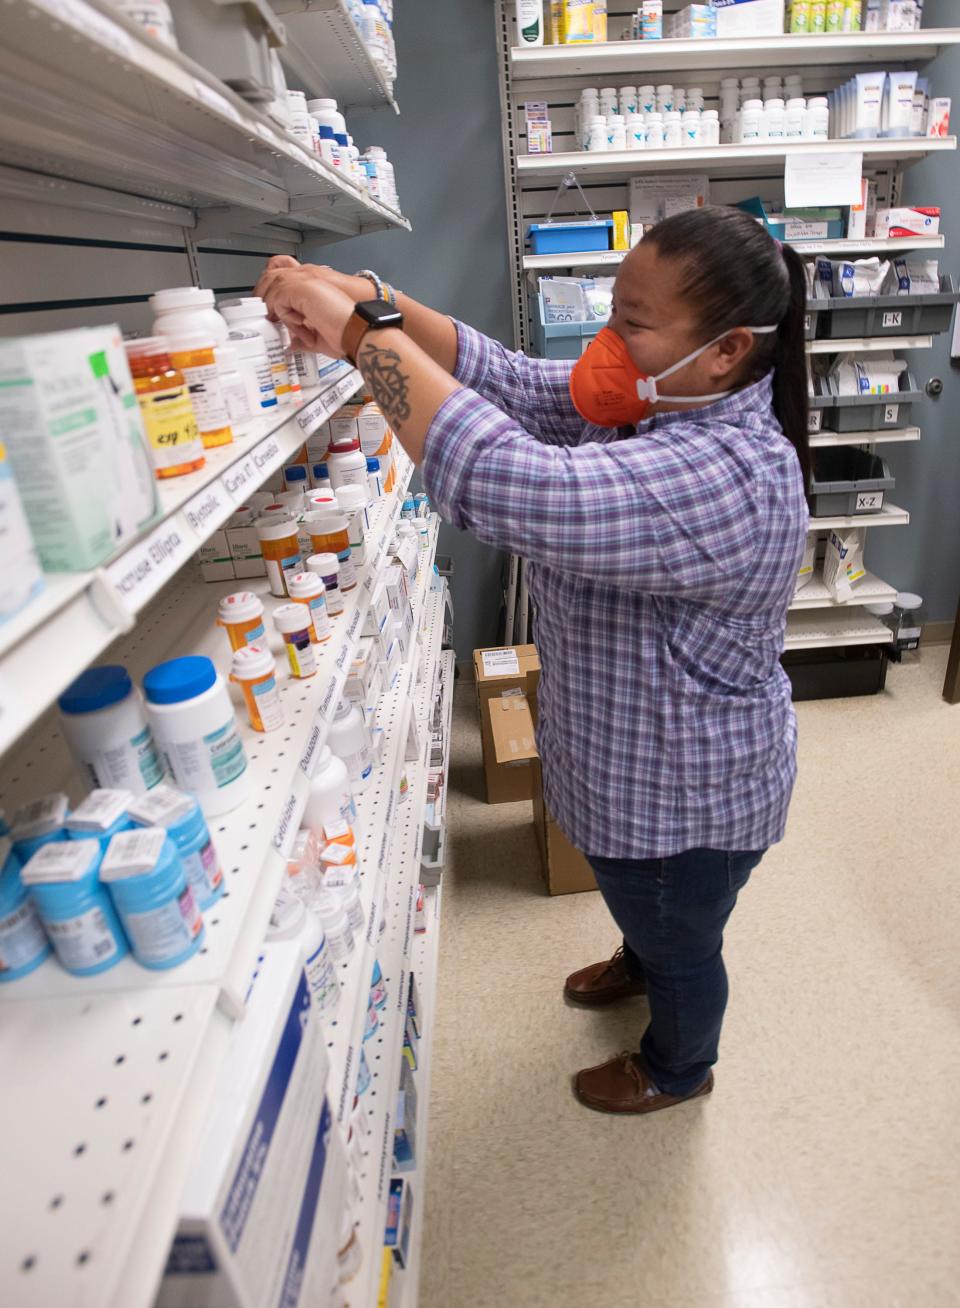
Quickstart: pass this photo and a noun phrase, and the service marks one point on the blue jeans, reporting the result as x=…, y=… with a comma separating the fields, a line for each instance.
x=672, y=912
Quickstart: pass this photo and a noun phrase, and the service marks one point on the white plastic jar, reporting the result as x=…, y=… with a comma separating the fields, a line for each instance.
x=750, y=121
x=347, y=463
x=255, y=369
x=353, y=502
x=298, y=120
x=250, y=313
x=694, y=98
x=597, y=134
x=793, y=118
x=388, y=183
x=646, y=99
x=609, y=100
x=628, y=100
x=234, y=387
x=679, y=99
x=187, y=310
x=350, y=741
x=105, y=727
x=816, y=123
x=289, y=920
x=690, y=127
x=636, y=132
x=773, y=120
x=654, y=131
x=665, y=98
x=330, y=797
x=672, y=130
x=332, y=916
x=616, y=132
x=194, y=723
x=327, y=567
x=709, y=127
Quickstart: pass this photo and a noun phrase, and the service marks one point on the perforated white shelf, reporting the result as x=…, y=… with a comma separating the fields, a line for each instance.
x=77, y=616
x=53, y=1062
x=881, y=437
x=826, y=628
x=603, y=258
x=868, y=590
x=326, y=52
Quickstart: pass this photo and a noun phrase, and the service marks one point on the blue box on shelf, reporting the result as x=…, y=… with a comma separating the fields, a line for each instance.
x=570, y=238
x=560, y=340
x=797, y=225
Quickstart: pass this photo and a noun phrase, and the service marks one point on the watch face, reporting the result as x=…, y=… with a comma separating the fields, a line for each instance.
x=379, y=313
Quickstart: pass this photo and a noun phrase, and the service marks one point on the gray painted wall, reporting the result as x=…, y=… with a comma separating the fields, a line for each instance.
x=925, y=556
x=445, y=147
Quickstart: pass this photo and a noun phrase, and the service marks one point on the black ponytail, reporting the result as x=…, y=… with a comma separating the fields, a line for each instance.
x=736, y=275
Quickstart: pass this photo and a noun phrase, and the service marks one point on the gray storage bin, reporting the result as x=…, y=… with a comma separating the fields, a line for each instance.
x=849, y=413
x=886, y=315
x=847, y=479
x=231, y=39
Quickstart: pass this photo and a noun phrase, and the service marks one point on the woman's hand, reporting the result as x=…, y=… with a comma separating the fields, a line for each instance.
x=308, y=301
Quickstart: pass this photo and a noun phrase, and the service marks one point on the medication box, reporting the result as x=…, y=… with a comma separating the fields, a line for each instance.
x=378, y=614
x=903, y=221
x=655, y=198
x=243, y=545
x=215, y=561
x=405, y=1131
x=796, y=224
x=749, y=17
x=78, y=454
x=249, y=1208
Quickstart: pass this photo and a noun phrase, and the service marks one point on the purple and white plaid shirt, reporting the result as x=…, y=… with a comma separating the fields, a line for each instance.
x=663, y=565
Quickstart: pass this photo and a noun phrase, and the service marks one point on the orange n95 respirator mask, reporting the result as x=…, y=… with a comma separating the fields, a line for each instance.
x=608, y=389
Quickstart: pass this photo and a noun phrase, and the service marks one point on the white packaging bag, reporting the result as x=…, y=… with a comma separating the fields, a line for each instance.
x=843, y=562
x=914, y=276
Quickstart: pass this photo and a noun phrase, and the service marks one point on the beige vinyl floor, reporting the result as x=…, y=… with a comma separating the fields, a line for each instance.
x=824, y=1171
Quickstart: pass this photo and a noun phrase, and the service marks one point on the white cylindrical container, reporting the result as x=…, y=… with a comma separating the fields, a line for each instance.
x=750, y=120
x=665, y=98
x=204, y=382
x=672, y=134
x=628, y=100
x=773, y=119
x=327, y=566
x=289, y=920
x=654, y=131
x=353, y=501
x=256, y=370
x=194, y=723
x=333, y=918
x=816, y=123
x=636, y=132
x=597, y=136
x=250, y=313
x=793, y=118
x=694, y=98
x=616, y=132
x=188, y=310
x=646, y=99
x=298, y=120
x=233, y=383
x=709, y=127
x=346, y=889
x=103, y=722
x=330, y=797
x=253, y=668
x=350, y=740
x=308, y=589
x=292, y=499
x=294, y=623
x=609, y=100
x=529, y=22
x=386, y=174
x=374, y=478
x=588, y=108
x=347, y=463
x=679, y=99
x=690, y=127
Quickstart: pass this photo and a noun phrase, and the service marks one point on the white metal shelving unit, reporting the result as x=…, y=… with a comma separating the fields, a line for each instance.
x=436, y=818
x=767, y=52
x=555, y=75
x=88, y=97
x=830, y=628
x=78, y=614
x=110, y=1252
x=313, y=29
x=763, y=160
x=848, y=248
x=395, y=949
x=815, y=595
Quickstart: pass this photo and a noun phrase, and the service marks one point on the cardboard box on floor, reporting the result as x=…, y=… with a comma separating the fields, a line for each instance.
x=507, y=698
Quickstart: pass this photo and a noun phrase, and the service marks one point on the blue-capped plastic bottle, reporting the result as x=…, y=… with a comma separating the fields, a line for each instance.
x=184, y=822
x=63, y=879
x=23, y=944
x=148, y=885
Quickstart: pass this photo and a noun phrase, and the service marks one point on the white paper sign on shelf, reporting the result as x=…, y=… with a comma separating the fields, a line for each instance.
x=822, y=178
x=208, y=510
x=145, y=567
x=500, y=663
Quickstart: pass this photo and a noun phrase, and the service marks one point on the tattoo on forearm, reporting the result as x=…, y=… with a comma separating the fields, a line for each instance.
x=381, y=370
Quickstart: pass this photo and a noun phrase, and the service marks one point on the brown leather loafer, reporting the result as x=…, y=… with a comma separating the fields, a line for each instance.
x=620, y=1085
x=603, y=983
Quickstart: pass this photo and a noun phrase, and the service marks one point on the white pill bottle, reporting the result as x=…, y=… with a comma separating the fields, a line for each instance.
x=350, y=741
x=103, y=723
x=195, y=725
x=330, y=798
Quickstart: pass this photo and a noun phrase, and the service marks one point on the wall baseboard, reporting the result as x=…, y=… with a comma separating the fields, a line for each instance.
x=938, y=633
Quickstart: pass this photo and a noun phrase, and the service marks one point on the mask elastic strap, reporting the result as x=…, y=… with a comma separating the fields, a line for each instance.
x=649, y=385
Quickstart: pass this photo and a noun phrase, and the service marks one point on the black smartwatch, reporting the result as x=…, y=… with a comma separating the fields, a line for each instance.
x=368, y=316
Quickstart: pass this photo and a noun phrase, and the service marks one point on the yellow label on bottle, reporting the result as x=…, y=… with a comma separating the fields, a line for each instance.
x=171, y=427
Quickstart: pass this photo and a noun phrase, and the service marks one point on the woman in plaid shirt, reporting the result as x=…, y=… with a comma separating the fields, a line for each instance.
x=665, y=532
